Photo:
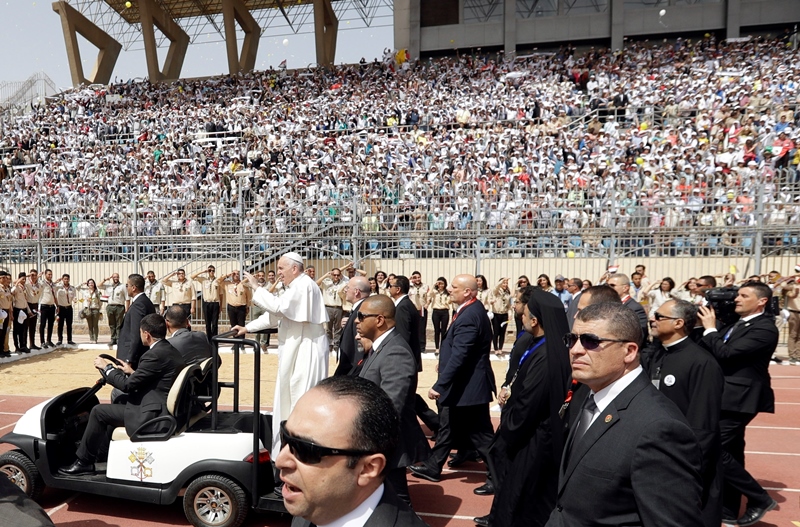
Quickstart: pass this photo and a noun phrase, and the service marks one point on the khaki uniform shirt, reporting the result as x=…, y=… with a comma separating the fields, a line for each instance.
x=440, y=300
x=116, y=294
x=20, y=302
x=6, y=299
x=500, y=301
x=182, y=292
x=237, y=294
x=210, y=288
x=330, y=292
x=33, y=293
x=65, y=295
x=419, y=295
x=155, y=292
x=48, y=293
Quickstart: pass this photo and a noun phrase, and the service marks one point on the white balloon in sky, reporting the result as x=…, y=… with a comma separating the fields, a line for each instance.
x=662, y=12
x=286, y=42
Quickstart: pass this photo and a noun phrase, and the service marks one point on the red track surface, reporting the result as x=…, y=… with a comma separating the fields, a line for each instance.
x=773, y=446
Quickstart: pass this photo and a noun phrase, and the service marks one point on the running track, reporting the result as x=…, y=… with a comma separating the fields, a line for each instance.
x=773, y=457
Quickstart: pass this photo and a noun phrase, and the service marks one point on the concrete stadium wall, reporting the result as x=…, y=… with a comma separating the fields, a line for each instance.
x=613, y=24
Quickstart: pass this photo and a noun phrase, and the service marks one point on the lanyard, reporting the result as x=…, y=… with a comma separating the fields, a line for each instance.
x=529, y=351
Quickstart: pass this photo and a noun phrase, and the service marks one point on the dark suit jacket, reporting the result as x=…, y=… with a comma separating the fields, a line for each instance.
x=465, y=373
x=573, y=309
x=148, y=386
x=17, y=509
x=745, y=364
x=638, y=464
x=393, y=368
x=192, y=345
x=349, y=353
x=129, y=346
x=637, y=308
x=406, y=322
x=390, y=512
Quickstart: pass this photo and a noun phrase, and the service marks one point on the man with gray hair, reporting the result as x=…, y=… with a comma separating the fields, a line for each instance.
x=302, y=343
x=630, y=457
x=691, y=378
x=350, y=353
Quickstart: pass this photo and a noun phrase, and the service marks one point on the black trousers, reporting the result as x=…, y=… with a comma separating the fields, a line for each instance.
x=31, y=322
x=440, y=318
x=48, y=317
x=737, y=481
x=65, y=315
x=467, y=427
x=102, y=421
x=428, y=417
x=423, y=327
x=499, y=330
x=237, y=315
x=19, y=331
x=211, y=315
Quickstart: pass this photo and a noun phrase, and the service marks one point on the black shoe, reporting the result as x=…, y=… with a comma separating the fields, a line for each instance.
x=483, y=521
x=77, y=468
x=59, y=344
x=5, y=354
x=776, y=360
x=422, y=471
x=487, y=489
x=462, y=457
x=23, y=350
x=753, y=515
x=35, y=347
x=51, y=345
x=71, y=343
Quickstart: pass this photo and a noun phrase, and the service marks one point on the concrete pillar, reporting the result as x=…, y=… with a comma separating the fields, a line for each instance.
x=326, y=27
x=234, y=11
x=407, y=27
x=510, y=28
x=617, y=24
x=733, y=18
x=151, y=16
x=74, y=23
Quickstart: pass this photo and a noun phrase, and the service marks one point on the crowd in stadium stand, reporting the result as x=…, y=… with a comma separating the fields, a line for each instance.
x=681, y=137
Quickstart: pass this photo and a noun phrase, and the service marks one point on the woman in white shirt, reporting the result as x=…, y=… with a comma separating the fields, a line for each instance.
x=658, y=297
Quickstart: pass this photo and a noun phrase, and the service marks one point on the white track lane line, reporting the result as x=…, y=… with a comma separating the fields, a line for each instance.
x=59, y=507
x=776, y=489
x=773, y=427
x=11, y=413
x=757, y=453
x=8, y=426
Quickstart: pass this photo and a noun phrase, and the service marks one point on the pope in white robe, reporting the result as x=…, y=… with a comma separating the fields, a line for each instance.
x=302, y=342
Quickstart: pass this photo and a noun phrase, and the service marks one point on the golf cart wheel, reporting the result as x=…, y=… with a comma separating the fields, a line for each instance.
x=22, y=472
x=215, y=501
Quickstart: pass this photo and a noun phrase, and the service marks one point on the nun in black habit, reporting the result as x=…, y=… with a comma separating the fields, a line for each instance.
x=526, y=450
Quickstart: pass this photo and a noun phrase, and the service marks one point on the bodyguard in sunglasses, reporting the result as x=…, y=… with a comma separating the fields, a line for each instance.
x=691, y=378
x=334, y=457
x=630, y=457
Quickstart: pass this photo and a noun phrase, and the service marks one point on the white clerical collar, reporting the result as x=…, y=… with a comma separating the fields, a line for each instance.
x=378, y=341
x=667, y=346
x=605, y=396
x=359, y=516
x=399, y=299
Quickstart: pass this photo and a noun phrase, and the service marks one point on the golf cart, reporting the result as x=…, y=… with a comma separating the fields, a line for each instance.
x=219, y=457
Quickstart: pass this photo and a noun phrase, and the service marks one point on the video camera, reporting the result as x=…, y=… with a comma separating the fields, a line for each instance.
x=722, y=300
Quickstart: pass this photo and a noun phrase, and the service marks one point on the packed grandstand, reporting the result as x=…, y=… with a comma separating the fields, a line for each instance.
x=690, y=136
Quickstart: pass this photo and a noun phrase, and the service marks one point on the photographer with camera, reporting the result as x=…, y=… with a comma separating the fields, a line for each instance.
x=743, y=350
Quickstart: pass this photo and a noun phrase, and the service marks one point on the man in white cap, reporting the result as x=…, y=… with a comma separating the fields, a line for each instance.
x=302, y=342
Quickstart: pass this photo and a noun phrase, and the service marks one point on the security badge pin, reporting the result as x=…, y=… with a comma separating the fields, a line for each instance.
x=669, y=380
x=608, y=418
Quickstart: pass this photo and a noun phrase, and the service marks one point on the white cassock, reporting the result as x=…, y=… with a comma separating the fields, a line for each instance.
x=302, y=343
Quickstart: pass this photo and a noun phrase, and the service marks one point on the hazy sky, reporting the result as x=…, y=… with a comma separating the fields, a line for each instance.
x=32, y=40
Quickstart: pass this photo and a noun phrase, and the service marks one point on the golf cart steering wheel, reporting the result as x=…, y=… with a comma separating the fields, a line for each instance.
x=108, y=358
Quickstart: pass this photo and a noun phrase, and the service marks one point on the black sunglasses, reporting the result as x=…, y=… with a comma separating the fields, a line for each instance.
x=589, y=341
x=659, y=316
x=361, y=316
x=310, y=453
